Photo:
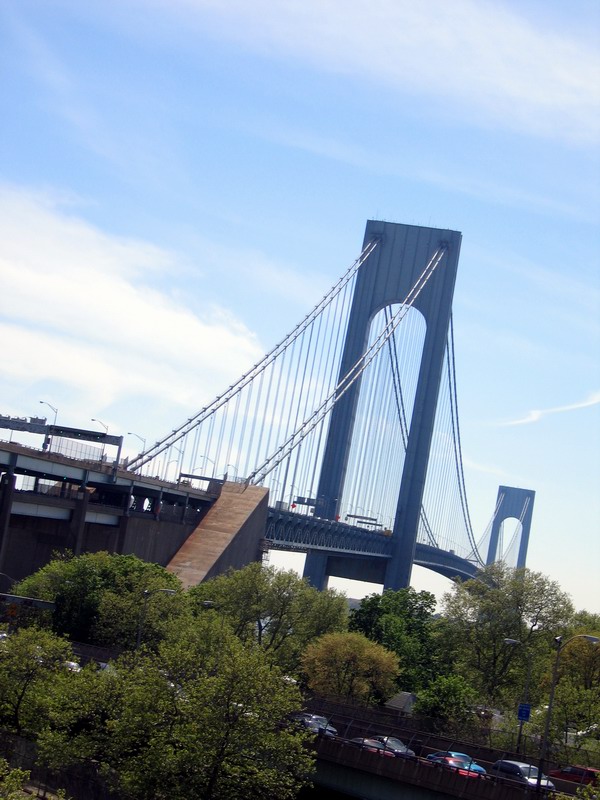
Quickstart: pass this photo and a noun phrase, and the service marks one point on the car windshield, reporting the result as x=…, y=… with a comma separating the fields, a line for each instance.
x=529, y=771
x=396, y=743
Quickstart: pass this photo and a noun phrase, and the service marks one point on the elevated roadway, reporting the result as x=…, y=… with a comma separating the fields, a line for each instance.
x=353, y=552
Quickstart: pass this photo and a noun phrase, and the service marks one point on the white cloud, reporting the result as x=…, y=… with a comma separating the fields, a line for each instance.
x=537, y=414
x=79, y=309
x=498, y=67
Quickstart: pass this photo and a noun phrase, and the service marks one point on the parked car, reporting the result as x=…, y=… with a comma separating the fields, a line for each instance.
x=472, y=765
x=457, y=765
x=576, y=773
x=397, y=746
x=520, y=772
x=315, y=723
x=372, y=746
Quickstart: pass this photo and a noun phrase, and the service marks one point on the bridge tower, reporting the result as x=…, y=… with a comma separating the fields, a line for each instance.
x=386, y=278
x=517, y=503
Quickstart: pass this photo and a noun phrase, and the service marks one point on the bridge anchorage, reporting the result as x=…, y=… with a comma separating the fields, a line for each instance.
x=351, y=421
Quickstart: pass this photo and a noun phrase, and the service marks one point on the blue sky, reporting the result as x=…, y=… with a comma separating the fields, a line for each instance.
x=181, y=181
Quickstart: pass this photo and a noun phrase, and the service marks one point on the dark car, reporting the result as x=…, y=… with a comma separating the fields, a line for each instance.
x=521, y=772
x=576, y=774
x=371, y=746
x=397, y=746
x=315, y=723
x=471, y=765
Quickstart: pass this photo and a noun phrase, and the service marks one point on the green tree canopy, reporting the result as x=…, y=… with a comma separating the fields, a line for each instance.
x=29, y=662
x=274, y=609
x=99, y=597
x=503, y=603
x=12, y=781
x=402, y=621
x=351, y=667
x=201, y=717
x=448, y=700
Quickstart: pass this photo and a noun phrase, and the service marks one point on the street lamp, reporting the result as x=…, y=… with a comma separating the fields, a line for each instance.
x=43, y=402
x=141, y=438
x=12, y=580
x=516, y=643
x=234, y=467
x=559, y=649
x=48, y=439
x=99, y=421
x=147, y=595
x=204, y=460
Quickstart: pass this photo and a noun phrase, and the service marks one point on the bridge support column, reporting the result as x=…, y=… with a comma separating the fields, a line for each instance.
x=387, y=277
x=78, y=521
x=315, y=569
x=7, y=488
x=512, y=503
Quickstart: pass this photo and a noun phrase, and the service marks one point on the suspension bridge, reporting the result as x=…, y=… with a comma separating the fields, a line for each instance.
x=351, y=422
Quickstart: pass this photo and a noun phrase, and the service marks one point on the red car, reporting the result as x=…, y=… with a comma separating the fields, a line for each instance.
x=576, y=774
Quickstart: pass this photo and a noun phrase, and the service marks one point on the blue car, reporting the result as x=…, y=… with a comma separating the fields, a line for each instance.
x=472, y=766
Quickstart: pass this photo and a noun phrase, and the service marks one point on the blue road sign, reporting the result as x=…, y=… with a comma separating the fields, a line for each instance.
x=524, y=712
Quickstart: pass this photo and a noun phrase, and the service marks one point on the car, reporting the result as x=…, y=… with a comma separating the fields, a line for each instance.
x=457, y=765
x=72, y=666
x=372, y=746
x=576, y=773
x=472, y=765
x=315, y=723
x=520, y=772
x=397, y=746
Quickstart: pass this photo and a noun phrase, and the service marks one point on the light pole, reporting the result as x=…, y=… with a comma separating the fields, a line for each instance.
x=204, y=460
x=516, y=643
x=559, y=649
x=99, y=421
x=213, y=605
x=141, y=438
x=12, y=580
x=147, y=595
x=44, y=403
x=234, y=467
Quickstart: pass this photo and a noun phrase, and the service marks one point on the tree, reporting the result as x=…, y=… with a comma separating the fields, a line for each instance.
x=274, y=609
x=29, y=661
x=99, y=597
x=11, y=781
x=503, y=603
x=448, y=701
x=201, y=717
x=351, y=667
x=402, y=621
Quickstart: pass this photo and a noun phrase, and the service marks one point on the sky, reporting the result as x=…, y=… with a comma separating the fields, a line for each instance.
x=182, y=180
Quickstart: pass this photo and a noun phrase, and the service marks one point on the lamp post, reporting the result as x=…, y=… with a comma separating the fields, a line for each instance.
x=204, y=460
x=213, y=605
x=99, y=421
x=44, y=403
x=234, y=467
x=12, y=580
x=137, y=436
x=147, y=595
x=516, y=643
x=559, y=649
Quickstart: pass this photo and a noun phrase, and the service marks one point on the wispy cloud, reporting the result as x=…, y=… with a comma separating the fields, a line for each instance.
x=482, y=59
x=80, y=308
x=537, y=414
